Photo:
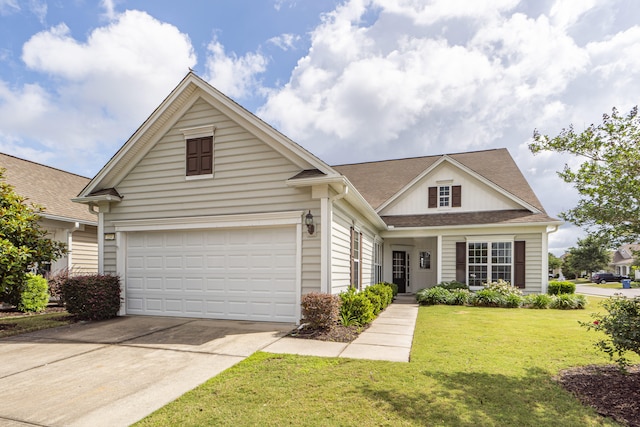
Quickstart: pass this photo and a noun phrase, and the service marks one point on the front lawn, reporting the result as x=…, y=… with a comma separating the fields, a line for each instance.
x=469, y=366
x=17, y=325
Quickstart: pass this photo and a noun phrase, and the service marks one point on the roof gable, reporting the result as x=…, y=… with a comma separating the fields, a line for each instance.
x=382, y=182
x=48, y=187
x=184, y=96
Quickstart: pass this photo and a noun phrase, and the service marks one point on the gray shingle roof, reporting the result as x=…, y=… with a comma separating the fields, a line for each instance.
x=48, y=187
x=467, y=218
x=379, y=181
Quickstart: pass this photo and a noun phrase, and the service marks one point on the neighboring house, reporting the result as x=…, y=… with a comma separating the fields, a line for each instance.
x=203, y=213
x=64, y=220
x=622, y=260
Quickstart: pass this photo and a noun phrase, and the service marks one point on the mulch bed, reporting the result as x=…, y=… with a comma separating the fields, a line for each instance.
x=13, y=312
x=338, y=333
x=612, y=392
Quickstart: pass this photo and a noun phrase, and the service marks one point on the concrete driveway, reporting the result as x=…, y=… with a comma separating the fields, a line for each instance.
x=115, y=372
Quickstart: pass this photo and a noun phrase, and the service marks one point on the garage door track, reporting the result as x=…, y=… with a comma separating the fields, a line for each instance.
x=115, y=372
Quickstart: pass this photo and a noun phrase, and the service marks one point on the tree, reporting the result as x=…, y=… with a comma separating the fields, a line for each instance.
x=568, y=269
x=23, y=243
x=554, y=262
x=590, y=255
x=608, y=181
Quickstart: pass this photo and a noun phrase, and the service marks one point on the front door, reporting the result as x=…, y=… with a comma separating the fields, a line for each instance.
x=400, y=270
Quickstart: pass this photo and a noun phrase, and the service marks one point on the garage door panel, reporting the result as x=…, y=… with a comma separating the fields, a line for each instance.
x=231, y=274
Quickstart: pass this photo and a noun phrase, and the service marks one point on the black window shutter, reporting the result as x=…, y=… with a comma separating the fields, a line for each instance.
x=433, y=197
x=193, y=156
x=519, y=256
x=461, y=262
x=352, y=274
x=206, y=155
x=200, y=156
x=456, y=196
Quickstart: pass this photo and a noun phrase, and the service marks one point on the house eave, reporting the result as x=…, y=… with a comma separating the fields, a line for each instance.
x=392, y=231
x=96, y=199
x=67, y=219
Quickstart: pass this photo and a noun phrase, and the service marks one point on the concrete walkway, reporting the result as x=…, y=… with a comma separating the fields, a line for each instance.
x=602, y=292
x=388, y=338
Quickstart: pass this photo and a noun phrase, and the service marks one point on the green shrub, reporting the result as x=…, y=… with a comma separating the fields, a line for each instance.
x=488, y=298
x=92, y=297
x=568, y=301
x=35, y=294
x=557, y=287
x=319, y=310
x=458, y=297
x=394, y=288
x=384, y=291
x=539, y=301
x=452, y=285
x=512, y=301
x=376, y=301
x=621, y=325
x=432, y=296
x=356, y=308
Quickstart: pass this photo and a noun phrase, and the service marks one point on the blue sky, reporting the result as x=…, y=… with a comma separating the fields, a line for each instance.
x=350, y=80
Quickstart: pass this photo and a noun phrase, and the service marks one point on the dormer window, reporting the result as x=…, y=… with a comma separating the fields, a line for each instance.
x=445, y=196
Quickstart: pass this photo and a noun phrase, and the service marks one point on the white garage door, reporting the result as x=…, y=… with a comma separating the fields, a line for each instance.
x=247, y=274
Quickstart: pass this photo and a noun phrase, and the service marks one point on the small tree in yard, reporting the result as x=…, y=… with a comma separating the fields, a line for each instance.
x=622, y=326
x=590, y=255
x=608, y=181
x=23, y=243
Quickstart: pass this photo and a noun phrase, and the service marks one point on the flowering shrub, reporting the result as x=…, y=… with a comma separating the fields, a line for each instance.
x=503, y=288
x=93, y=297
x=622, y=326
x=319, y=310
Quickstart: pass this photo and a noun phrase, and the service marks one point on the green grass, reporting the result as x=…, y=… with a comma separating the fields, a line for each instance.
x=469, y=366
x=614, y=285
x=10, y=326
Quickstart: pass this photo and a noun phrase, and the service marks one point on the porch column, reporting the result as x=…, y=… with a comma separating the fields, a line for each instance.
x=439, y=259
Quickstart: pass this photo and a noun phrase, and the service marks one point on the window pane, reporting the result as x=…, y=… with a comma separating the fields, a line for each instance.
x=501, y=272
x=477, y=275
x=444, y=195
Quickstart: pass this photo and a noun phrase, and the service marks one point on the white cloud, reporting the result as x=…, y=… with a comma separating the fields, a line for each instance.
x=105, y=86
x=285, y=41
x=234, y=76
x=39, y=8
x=7, y=7
x=109, y=9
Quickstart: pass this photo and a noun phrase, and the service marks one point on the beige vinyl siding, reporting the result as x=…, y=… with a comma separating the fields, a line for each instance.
x=340, y=252
x=248, y=177
x=533, y=266
x=84, y=252
x=449, y=257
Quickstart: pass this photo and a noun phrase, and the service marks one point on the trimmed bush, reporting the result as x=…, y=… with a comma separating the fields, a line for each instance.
x=375, y=300
x=320, y=310
x=56, y=280
x=452, y=285
x=92, y=297
x=356, y=308
x=458, y=297
x=35, y=294
x=622, y=326
x=539, y=301
x=568, y=301
x=384, y=291
x=557, y=287
x=432, y=296
x=394, y=288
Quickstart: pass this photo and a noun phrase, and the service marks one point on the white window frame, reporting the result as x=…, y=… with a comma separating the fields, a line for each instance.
x=490, y=261
x=444, y=198
x=377, y=262
x=200, y=132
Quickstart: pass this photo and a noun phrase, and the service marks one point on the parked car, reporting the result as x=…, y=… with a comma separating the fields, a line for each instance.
x=606, y=277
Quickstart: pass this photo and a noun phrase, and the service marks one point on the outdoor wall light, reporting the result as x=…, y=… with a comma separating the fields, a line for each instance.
x=308, y=220
x=109, y=236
